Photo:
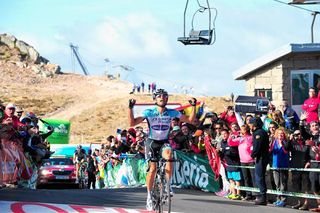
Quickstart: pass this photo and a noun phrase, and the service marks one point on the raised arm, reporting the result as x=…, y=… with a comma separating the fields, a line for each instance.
x=132, y=120
x=190, y=119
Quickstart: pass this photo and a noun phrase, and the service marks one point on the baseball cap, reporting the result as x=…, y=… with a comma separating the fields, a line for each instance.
x=19, y=109
x=10, y=105
x=175, y=128
x=255, y=122
x=296, y=132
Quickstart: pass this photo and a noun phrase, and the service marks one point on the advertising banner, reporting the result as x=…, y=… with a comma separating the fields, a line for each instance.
x=193, y=170
x=61, y=132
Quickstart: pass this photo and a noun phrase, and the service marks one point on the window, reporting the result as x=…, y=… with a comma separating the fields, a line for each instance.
x=301, y=80
x=266, y=93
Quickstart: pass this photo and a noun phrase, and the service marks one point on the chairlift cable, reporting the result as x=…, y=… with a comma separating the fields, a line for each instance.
x=302, y=8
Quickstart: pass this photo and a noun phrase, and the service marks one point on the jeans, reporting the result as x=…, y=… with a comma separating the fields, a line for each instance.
x=281, y=181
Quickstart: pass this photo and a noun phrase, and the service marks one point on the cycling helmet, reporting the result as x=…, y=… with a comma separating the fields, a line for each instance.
x=79, y=147
x=159, y=92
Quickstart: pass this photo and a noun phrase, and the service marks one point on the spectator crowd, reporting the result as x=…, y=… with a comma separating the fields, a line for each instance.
x=246, y=144
x=22, y=144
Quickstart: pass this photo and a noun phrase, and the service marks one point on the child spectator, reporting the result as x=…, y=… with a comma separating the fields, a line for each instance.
x=230, y=155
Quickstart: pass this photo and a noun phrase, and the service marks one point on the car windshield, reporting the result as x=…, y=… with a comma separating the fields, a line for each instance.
x=68, y=151
x=58, y=161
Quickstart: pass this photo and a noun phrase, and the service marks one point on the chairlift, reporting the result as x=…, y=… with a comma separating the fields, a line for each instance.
x=198, y=37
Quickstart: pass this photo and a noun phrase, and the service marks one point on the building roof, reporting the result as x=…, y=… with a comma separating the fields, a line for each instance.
x=253, y=66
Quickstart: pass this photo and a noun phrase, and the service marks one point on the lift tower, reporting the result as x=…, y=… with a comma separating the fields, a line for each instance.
x=74, y=50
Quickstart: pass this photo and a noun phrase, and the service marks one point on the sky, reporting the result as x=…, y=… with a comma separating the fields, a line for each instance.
x=142, y=35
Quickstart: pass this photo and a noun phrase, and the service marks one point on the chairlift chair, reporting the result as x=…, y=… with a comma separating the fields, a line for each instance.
x=197, y=37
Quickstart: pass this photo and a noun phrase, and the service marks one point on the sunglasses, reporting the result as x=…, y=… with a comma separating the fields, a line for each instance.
x=162, y=95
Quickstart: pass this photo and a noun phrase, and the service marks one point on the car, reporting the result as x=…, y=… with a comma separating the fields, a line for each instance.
x=56, y=170
x=67, y=149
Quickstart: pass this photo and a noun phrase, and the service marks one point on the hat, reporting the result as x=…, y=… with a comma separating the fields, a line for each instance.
x=31, y=115
x=132, y=132
x=19, y=109
x=296, y=132
x=32, y=124
x=10, y=105
x=255, y=122
x=25, y=120
x=175, y=128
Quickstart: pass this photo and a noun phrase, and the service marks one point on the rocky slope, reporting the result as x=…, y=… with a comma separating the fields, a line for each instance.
x=96, y=106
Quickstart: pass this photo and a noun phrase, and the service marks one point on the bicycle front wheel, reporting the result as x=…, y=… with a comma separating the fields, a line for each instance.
x=165, y=197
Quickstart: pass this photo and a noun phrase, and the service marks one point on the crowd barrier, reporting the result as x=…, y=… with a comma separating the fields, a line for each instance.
x=190, y=170
x=276, y=192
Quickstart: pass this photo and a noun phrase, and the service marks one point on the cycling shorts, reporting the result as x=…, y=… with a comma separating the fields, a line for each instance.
x=155, y=148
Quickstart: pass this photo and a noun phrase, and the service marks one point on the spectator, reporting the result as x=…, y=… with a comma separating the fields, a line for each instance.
x=142, y=86
x=280, y=156
x=174, y=122
x=217, y=137
x=19, y=112
x=245, y=151
x=311, y=106
x=9, y=116
x=228, y=116
x=277, y=117
x=273, y=126
x=312, y=140
x=149, y=88
x=290, y=116
x=230, y=155
x=133, y=88
x=92, y=170
x=173, y=138
x=260, y=150
x=299, y=159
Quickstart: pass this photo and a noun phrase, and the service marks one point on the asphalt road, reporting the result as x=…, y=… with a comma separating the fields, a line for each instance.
x=184, y=200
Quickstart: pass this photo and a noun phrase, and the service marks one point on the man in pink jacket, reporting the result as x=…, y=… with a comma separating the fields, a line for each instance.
x=311, y=106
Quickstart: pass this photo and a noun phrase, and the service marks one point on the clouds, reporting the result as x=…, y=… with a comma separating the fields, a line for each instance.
x=143, y=34
x=135, y=36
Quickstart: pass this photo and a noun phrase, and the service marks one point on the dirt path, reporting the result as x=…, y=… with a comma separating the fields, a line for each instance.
x=90, y=94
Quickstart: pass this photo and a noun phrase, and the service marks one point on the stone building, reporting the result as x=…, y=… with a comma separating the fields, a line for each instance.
x=284, y=74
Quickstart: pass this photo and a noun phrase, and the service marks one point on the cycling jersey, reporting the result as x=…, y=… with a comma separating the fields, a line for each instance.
x=159, y=124
x=80, y=156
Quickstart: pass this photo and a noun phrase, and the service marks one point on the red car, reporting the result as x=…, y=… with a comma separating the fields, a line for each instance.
x=57, y=170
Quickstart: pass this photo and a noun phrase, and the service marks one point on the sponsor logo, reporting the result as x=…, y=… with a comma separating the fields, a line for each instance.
x=160, y=127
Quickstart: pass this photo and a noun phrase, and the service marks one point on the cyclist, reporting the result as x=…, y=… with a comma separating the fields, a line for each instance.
x=79, y=157
x=157, y=144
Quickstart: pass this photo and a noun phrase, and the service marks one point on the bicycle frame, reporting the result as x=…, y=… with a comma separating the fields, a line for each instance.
x=161, y=198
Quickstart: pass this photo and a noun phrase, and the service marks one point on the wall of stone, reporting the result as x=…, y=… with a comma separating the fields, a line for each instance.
x=268, y=77
x=277, y=75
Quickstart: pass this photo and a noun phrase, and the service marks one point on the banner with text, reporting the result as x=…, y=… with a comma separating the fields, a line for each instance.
x=193, y=170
